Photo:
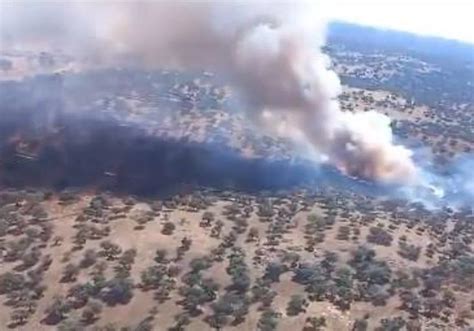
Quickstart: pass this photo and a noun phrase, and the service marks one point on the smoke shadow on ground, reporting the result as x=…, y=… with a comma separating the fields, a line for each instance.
x=92, y=152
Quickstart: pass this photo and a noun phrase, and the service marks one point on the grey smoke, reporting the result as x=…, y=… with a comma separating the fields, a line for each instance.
x=271, y=52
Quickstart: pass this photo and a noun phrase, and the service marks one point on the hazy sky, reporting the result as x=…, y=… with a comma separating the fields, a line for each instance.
x=452, y=19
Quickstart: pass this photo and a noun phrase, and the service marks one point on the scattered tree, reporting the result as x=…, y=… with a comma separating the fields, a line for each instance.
x=296, y=305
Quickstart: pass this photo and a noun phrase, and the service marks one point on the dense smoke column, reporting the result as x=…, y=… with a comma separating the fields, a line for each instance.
x=271, y=52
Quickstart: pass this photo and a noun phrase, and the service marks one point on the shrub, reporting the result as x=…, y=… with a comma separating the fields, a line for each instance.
x=70, y=273
x=152, y=276
x=379, y=236
x=409, y=252
x=91, y=312
x=89, y=259
x=168, y=228
x=10, y=282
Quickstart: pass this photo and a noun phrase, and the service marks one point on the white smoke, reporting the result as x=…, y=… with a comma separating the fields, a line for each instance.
x=270, y=51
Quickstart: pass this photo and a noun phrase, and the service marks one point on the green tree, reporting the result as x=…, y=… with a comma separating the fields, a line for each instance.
x=109, y=250
x=117, y=291
x=360, y=325
x=296, y=305
x=314, y=323
x=57, y=310
x=273, y=271
x=268, y=321
x=180, y=322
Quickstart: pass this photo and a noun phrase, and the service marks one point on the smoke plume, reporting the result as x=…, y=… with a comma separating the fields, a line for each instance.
x=271, y=53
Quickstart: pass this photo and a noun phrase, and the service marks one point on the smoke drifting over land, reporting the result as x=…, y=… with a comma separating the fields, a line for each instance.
x=271, y=53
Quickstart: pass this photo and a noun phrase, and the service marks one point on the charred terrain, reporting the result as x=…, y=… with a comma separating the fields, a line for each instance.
x=139, y=199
